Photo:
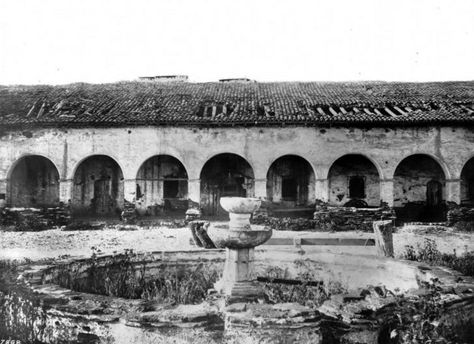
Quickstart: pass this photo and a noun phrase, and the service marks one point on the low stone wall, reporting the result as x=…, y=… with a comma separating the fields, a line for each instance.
x=328, y=218
x=34, y=219
x=33, y=308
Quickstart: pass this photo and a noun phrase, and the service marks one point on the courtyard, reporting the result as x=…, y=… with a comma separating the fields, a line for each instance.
x=116, y=238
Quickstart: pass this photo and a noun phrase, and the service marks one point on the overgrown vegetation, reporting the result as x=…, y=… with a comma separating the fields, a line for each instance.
x=427, y=320
x=125, y=278
x=306, y=293
x=428, y=252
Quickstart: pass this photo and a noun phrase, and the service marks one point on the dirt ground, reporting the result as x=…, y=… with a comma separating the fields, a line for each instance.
x=54, y=243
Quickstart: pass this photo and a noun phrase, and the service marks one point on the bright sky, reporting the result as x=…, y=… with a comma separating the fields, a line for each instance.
x=63, y=41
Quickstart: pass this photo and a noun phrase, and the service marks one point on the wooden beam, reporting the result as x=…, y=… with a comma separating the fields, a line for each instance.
x=289, y=281
x=323, y=241
x=367, y=111
x=338, y=242
x=399, y=110
x=343, y=110
x=467, y=109
x=377, y=111
x=321, y=111
x=334, y=112
x=390, y=112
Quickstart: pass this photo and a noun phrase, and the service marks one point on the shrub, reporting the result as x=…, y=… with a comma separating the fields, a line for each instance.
x=306, y=293
x=428, y=252
x=427, y=321
x=124, y=278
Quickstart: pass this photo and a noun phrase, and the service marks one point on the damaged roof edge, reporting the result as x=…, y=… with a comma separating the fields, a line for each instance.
x=237, y=124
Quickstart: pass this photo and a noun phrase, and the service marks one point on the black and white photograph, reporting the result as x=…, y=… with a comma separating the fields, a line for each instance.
x=236, y=172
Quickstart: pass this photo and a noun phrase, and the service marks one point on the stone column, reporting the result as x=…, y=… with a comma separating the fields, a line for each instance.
x=453, y=190
x=194, y=197
x=261, y=188
x=65, y=190
x=129, y=214
x=322, y=190
x=386, y=191
x=129, y=190
x=194, y=190
x=3, y=193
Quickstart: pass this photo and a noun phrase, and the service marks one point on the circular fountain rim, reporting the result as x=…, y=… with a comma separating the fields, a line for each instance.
x=57, y=298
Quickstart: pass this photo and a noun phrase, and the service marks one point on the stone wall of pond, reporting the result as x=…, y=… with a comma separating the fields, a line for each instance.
x=33, y=308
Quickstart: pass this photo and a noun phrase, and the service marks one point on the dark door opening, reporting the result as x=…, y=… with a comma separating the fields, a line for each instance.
x=289, y=189
x=356, y=187
x=434, y=193
x=103, y=203
x=170, y=188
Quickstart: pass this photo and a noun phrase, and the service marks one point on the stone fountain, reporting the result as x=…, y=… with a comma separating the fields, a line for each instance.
x=239, y=282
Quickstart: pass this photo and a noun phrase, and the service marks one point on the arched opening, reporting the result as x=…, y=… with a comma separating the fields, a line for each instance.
x=354, y=181
x=419, y=189
x=290, y=186
x=34, y=182
x=162, y=186
x=467, y=183
x=98, y=187
x=224, y=175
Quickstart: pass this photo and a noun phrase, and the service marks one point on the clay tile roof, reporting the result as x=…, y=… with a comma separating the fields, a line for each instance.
x=224, y=104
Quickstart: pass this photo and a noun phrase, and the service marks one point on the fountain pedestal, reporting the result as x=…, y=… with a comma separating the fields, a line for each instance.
x=238, y=282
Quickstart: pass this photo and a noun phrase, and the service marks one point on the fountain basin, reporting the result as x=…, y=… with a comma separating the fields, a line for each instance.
x=73, y=316
x=240, y=205
x=240, y=239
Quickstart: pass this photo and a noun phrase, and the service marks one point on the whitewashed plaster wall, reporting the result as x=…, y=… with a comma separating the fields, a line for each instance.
x=451, y=147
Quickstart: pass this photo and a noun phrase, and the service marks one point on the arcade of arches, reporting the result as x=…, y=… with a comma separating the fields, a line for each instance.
x=354, y=178
x=98, y=187
x=34, y=182
x=162, y=184
x=224, y=175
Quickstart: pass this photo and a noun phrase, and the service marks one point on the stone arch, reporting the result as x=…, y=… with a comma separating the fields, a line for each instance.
x=33, y=181
x=419, y=189
x=444, y=168
x=291, y=181
x=225, y=174
x=354, y=179
x=98, y=186
x=161, y=185
x=467, y=182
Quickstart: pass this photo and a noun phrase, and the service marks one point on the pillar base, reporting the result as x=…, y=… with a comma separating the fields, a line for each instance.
x=239, y=283
x=245, y=291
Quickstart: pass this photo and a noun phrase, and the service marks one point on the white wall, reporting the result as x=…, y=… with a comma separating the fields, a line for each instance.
x=130, y=147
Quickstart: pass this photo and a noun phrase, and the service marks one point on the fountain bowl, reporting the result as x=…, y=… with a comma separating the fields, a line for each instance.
x=241, y=239
x=240, y=205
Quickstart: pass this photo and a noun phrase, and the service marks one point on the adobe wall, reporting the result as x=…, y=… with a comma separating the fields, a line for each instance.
x=130, y=147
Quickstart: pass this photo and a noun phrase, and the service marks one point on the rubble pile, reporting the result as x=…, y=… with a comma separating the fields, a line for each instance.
x=35, y=219
x=284, y=223
x=349, y=218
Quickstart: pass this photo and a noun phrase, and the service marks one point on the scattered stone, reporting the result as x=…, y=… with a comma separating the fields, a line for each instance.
x=236, y=307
